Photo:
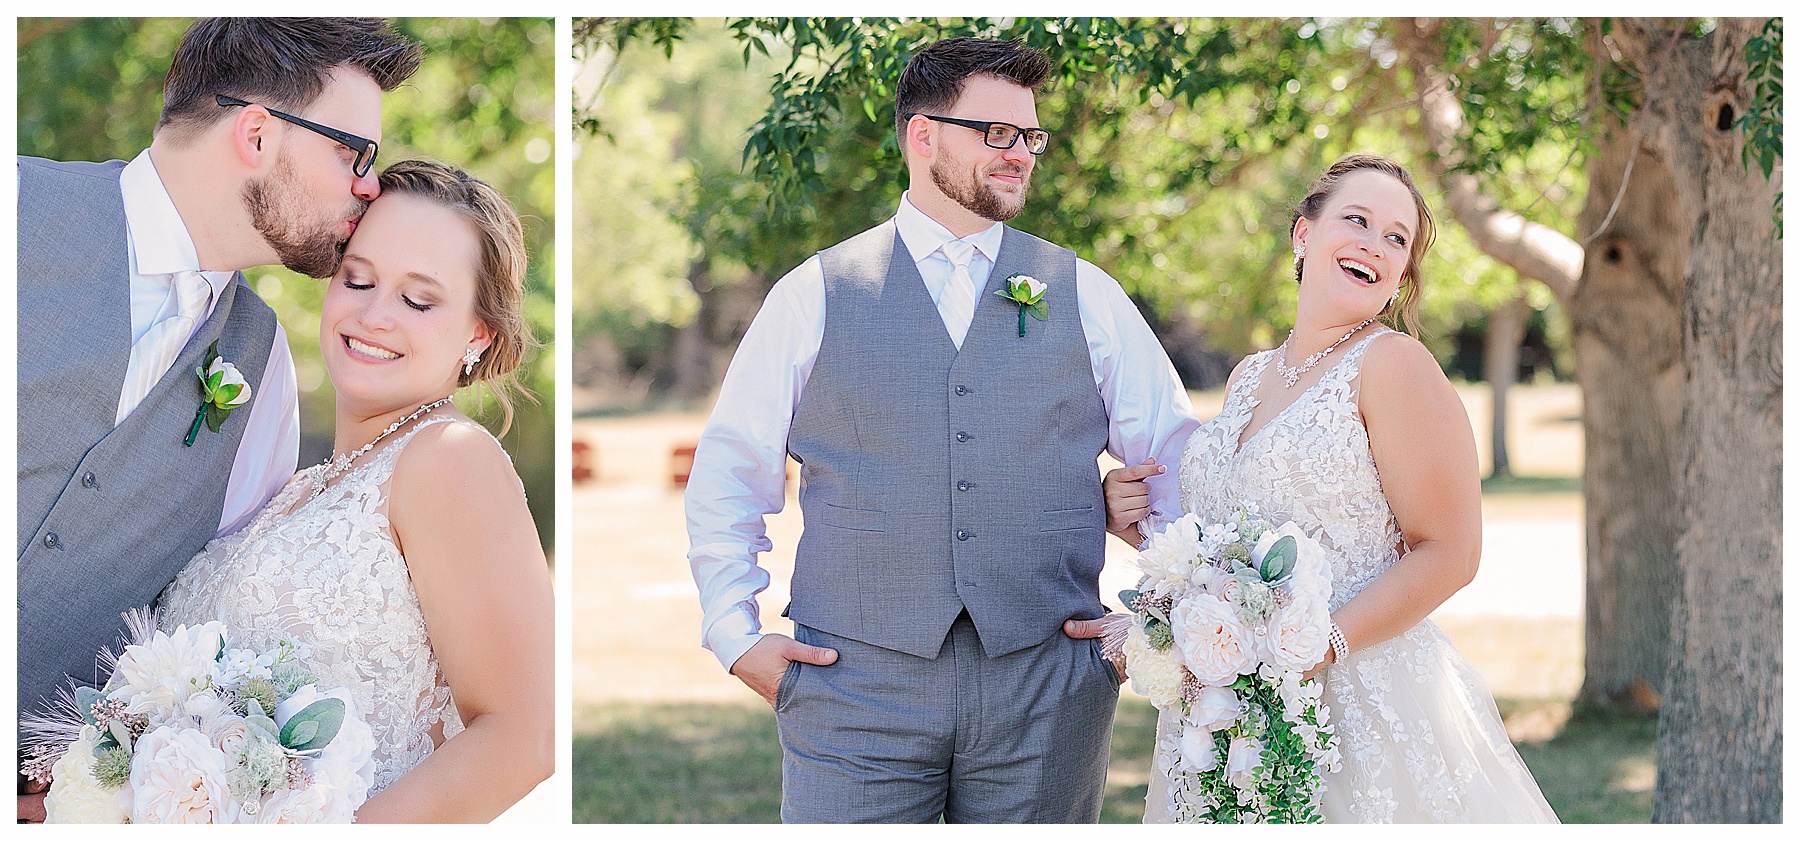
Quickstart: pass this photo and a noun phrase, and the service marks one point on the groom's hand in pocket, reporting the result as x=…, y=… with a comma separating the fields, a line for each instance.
x=31, y=802
x=762, y=667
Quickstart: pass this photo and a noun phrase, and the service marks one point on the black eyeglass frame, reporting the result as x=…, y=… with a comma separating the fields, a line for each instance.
x=987, y=130
x=365, y=149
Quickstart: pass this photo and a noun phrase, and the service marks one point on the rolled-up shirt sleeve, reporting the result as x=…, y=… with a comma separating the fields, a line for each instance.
x=1147, y=408
x=739, y=474
x=270, y=449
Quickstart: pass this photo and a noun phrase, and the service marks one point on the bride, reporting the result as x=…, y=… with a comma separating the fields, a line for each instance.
x=408, y=565
x=1351, y=430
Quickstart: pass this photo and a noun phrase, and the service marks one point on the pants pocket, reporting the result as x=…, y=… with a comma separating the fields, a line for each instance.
x=784, y=691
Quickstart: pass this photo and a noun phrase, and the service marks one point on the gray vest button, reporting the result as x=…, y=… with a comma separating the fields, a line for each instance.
x=962, y=534
x=962, y=436
x=51, y=541
x=88, y=481
x=962, y=486
x=961, y=390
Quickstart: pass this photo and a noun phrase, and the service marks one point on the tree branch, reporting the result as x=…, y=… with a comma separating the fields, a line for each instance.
x=1535, y=251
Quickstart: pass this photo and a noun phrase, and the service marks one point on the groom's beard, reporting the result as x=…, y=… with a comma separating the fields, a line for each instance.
x=311, y=247
x=979, y=198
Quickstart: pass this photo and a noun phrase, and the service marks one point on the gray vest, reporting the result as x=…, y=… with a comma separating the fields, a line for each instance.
x=935, y=481
x=107, y=515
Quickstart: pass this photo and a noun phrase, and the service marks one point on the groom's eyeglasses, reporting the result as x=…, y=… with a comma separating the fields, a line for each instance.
x=363, y=147
x=1001, y=135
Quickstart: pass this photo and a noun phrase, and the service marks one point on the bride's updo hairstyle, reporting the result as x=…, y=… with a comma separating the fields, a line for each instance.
x=1326, y=185
x=500, y=276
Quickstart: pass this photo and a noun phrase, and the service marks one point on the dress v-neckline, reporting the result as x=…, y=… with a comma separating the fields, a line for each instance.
x=1252, y=402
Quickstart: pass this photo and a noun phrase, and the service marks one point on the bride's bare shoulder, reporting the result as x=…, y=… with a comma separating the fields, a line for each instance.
x=452, y=469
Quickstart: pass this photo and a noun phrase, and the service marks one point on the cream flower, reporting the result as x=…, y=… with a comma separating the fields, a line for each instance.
x=1242, y=760
x=1214, y=645
x=1199, y=754
x=177, y=776
x=220, y=375
x=1154, y=674
x=75, y=797
x=156, y=678
x=1298, y=634
x=1215, y=709
x=314, y=804
x=228, y=733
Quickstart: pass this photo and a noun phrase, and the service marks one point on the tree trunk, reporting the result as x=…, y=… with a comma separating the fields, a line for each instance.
x=1622, y=292
x=691, y=357
x=1719, y=749
x=1626, y=315
x=1506, y=330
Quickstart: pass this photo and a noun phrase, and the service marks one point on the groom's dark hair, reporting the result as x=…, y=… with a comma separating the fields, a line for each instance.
x=934, y=78
x=280, y=62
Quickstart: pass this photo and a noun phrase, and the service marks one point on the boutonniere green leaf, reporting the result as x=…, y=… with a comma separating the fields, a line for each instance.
x=222, y=388
x=1028, y=293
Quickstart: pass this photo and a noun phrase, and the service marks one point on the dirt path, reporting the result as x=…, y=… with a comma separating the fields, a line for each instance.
x=636, y=616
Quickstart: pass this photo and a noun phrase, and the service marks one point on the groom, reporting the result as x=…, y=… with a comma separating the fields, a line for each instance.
x=129, y=273
x=950, y=490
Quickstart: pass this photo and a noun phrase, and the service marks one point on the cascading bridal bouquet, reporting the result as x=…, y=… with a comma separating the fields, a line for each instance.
x=189, y=730
x=1225, y=620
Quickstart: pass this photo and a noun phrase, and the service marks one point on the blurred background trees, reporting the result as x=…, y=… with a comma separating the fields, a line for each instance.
x=91, y=89
x=1575, y=165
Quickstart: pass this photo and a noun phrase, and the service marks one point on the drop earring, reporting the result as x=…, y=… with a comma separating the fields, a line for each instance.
x=470, y=357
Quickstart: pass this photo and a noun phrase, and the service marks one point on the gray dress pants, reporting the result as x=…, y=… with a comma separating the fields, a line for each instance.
x=885, y=737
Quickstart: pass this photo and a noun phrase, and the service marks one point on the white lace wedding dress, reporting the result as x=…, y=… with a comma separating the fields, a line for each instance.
x=1421, y=739
x=328, y=575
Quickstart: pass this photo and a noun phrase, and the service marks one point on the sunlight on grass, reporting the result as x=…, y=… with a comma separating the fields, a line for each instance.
x=721, y=762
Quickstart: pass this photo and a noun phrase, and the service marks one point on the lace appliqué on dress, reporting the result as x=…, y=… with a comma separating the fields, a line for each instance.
x=1419, y=733
x=329, y=575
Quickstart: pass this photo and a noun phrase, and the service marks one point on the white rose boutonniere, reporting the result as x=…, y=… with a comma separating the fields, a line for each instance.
x=222, y=388
x=1028, y=293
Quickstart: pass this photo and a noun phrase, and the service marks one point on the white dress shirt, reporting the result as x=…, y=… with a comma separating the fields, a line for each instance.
x=740, y=469
x=160, y=248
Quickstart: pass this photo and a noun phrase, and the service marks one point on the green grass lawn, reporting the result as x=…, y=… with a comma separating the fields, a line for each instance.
x=721, y=763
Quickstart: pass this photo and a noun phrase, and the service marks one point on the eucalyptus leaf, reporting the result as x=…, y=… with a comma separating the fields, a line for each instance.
x=314, y=727
x=1281, y=558
x=1127, y=596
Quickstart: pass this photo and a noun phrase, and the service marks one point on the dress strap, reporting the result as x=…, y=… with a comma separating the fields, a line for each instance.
x=1351, y=365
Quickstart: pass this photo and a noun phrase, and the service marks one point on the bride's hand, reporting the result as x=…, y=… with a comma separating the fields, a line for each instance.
x=1128, y=497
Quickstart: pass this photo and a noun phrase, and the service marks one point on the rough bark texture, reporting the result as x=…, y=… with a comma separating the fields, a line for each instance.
x=1506, y=329
x=1719, y=748
x=1622, y=292
x=1626, y=318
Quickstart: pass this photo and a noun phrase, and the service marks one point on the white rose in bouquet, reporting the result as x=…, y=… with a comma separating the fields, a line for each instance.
x=1242, y=761
x=1312, y=570
x=177, y=776
x=1215, y=709
x=348, y=763
x=1214, y=644
x=1198, y=752
x=302, y=805
x=77, y=797
x=1298, y=634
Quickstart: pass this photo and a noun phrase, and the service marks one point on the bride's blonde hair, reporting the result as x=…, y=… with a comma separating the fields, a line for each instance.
x=499, y=276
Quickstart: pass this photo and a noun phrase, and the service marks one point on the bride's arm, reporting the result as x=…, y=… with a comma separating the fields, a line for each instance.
x=1425, y=453
x=460, y=518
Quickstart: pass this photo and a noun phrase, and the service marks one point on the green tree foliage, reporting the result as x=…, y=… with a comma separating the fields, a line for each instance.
x=91, y=89
x=1178, y=149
